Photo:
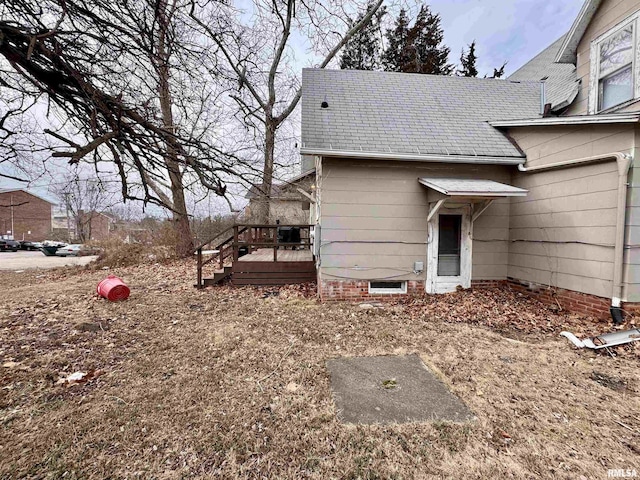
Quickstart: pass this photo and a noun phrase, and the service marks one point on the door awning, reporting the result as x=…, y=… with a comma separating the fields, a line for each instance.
x=472, y=187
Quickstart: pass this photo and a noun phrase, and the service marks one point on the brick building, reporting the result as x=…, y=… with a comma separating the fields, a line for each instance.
x=94, y=225
x=24, y=215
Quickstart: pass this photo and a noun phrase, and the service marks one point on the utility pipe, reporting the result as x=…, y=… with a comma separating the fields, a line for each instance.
x=624, y=163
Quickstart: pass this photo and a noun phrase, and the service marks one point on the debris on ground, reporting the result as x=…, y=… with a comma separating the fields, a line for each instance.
x=212, y=379
x=299, y=290
x=113, y=289
x=605, y=340
x=499, y=308
x=79, y=377
x=609, y=381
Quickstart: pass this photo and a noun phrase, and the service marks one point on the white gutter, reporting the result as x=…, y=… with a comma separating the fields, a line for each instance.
x=624, y=163
x=415, y=157
x=575, y=120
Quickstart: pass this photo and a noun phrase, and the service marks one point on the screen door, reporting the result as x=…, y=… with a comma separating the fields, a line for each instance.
x=449, y=250
x=449, y=243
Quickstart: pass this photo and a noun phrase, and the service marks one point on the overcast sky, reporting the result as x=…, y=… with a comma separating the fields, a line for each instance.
x=511, y=30
x=504, y=30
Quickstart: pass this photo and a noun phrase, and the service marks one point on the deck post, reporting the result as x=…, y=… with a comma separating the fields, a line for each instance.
x=221, y=254
x=235, y=243
x=275, y=248
x=200, y=268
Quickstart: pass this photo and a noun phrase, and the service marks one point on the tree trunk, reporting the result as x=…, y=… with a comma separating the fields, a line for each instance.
x=182, y=227
x=184, y=239
x=263, y=212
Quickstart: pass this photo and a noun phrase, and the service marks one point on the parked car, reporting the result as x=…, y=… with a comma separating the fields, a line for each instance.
x=49, y=247
x=76, y=250
x=27, y=245
x=72, y=250
x=9, y=246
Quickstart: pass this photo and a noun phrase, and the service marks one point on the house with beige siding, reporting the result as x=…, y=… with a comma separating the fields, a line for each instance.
x=433, y=183
x=289, y=202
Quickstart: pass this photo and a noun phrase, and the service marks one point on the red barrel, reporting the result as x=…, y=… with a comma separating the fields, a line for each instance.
x=113, y=289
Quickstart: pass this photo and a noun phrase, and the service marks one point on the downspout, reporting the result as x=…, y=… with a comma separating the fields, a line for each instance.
x=624, y=163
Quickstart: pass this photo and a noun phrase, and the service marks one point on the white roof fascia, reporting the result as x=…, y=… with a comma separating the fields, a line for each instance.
x=568, y=50
x=510, y=192
x=576, y=120
x=412, y=157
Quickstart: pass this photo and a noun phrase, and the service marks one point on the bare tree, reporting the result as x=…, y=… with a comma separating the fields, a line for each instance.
x=121, y=85
x=83, y=198
x=256, y=58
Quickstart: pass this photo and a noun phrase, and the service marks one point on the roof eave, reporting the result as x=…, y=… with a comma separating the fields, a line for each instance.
x=10, y=190
x=568, y=50
x=520, y=192
x=568, y=101
x=486, y=194
x=576, y=120
x=411, y=157
x=300, y=176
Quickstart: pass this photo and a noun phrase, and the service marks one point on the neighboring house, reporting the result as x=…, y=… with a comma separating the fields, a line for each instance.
x=290, y=202
x=430, y=183
x=84, y=226
x=131, y=232
x=24, y=215
x=96, y=226
x=63, y=226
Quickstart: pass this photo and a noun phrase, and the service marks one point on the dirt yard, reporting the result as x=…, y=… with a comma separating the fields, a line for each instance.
x=225, y=383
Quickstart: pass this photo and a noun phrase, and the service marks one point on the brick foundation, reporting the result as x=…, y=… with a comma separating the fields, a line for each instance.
x=569, y=300
x=358, y=290
x=488, y=283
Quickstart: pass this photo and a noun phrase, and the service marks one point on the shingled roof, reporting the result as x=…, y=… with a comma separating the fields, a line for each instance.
x=412, y=116
x=561, y=82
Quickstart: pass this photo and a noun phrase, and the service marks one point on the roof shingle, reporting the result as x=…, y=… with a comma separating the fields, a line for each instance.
x=411, y=114
x=562, y=84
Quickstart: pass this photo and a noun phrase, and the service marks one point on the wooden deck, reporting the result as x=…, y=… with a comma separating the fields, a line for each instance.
x=272, y=260
x=266, y=255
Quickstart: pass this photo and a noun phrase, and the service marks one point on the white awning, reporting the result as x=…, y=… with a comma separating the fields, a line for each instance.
x=472, y=187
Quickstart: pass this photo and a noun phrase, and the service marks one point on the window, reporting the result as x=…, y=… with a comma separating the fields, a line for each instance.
x=388, y=287
x=449, y=243
x=614, y=67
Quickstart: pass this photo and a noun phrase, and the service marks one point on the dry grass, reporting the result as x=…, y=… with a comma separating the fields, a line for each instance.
x=232, y=384
x=115, y=253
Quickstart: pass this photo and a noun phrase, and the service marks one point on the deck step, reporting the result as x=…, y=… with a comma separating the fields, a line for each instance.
x=218, y=277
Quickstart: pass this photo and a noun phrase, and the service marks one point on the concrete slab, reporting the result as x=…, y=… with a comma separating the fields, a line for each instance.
x=391, y=389
x=29, y=260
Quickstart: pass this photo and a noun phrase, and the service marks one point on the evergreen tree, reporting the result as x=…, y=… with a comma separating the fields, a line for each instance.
x=362, y=51
x=499, y=72
x=417, y=49
x=468, y=62
x=396, y=53
x=429, y=53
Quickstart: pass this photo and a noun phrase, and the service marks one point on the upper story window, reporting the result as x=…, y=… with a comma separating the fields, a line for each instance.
x=615, y=61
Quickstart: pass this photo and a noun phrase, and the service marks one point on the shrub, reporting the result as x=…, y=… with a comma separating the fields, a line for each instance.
x=116, y=253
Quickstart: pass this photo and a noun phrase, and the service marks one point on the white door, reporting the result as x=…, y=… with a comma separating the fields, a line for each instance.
x=449, y=250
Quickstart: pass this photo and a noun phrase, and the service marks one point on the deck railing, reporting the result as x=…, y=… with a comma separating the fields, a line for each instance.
x=240, y=240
